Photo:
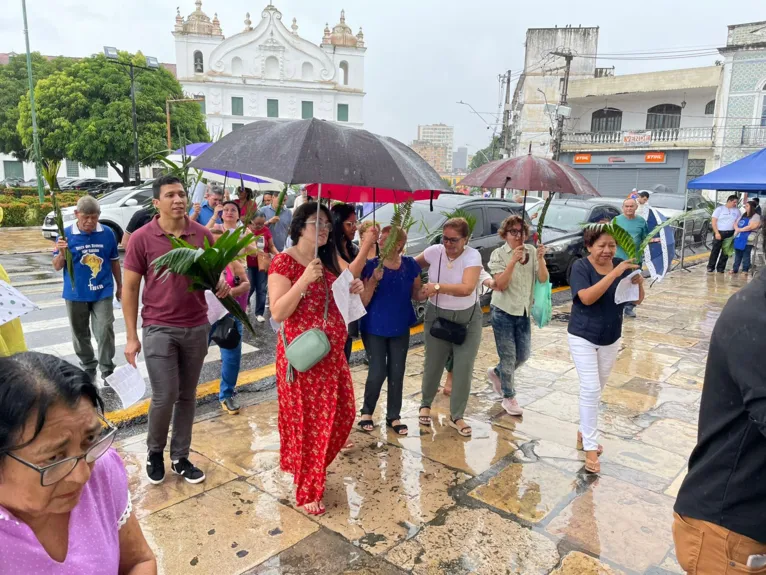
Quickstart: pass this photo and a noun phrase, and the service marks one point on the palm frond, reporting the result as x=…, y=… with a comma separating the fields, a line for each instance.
x=543, y=213
x=60, y=226
x=728, y=246
x=675, y=220
x=281, y=201
x=621, y=236
x=400, y=218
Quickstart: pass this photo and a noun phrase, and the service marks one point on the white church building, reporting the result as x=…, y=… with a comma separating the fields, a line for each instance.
x=269, y=71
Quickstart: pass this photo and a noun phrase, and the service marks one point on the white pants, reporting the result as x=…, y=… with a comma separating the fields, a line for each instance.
x=593, y=364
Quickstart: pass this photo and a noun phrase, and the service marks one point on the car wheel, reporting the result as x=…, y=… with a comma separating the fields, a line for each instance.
x=117, y=232
x=568, y=273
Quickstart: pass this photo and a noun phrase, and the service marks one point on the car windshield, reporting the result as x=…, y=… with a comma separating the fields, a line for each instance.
x=560, y=216
x=426, y=221
x=114, y=197
x=673, y=202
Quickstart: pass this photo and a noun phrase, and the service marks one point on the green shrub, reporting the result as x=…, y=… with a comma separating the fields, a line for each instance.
x=29, y=200
x=39, y=211
x=14, y=215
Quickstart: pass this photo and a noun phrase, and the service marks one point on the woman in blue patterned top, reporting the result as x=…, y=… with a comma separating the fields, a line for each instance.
x=388, y=296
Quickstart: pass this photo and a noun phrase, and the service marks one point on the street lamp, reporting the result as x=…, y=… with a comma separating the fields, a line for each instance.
x=196, y=98
x=152, y=64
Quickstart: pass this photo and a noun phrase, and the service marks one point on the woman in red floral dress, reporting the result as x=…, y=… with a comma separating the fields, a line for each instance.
x=316, y=408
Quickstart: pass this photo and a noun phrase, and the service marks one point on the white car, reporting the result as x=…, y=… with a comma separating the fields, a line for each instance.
x=117, y=208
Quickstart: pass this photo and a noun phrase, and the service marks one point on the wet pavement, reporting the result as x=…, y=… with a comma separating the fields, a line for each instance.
x=513, y=498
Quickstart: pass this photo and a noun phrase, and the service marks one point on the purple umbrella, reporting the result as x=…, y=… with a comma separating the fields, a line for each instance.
x=198, y=148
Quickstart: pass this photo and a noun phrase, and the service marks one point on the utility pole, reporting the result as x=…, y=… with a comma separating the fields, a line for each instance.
x=507, y=114
x=35, y=137
x=135, y=123
x=567, y=55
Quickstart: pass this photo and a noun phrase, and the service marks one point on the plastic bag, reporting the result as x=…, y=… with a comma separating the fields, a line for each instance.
x=542, y=306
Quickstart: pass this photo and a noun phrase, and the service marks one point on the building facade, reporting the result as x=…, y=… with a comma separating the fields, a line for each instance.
x=741, y=111
x=460, y=160
x=438, y=156
x=270, y=71
x=441, y=138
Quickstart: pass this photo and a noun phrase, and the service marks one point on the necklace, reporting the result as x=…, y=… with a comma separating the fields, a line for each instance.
x=450, y=263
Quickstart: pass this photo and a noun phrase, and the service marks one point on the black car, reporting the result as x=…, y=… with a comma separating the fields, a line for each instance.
x=83, y=184
x=563, y=231
x=105, y=188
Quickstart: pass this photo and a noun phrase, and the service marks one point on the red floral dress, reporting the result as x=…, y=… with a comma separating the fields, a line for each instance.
x=316, y=409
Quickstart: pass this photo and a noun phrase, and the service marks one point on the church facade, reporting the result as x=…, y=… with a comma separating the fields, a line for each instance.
x=269, y=71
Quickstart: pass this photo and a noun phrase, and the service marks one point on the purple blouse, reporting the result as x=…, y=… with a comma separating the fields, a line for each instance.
x=94, y=525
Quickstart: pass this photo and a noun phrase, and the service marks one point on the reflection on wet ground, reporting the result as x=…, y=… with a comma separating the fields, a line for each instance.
x=513, y=498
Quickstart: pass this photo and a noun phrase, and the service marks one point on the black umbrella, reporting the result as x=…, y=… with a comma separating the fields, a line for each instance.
x=315, y=151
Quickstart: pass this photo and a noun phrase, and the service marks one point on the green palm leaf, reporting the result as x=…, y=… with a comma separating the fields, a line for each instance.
x=203, y=267
x=281, y=201
x=620, y=235
x=728, y=247
x=543, y=212
x=401, y=220
x=674, y=221
x=60, y=226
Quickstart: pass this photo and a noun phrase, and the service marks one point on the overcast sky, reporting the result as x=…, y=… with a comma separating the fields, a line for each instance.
x=422, y=55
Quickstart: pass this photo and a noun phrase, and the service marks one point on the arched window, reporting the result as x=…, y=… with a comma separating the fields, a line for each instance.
x=307, y=71
x=663, y=117
x=710, y=108
x=606, y=120
x=272, y=68
x=236, y=66
x=199, y=64
x=344, y=73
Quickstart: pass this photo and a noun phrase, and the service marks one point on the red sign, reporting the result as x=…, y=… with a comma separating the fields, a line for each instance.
x=582, y=158
x=654, y=157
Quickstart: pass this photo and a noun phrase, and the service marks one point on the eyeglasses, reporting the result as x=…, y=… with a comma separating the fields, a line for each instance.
x=350, y=224
x=51, y=474
x=449, y=240
x=325, y=225
x=515, y=233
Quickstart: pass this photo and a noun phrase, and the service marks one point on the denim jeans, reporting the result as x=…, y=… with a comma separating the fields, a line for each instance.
x=230, y=359
x=259, y=283
x=513, y=339
x=742, y=257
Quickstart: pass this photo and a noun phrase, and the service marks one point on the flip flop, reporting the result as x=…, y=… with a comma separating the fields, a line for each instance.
x=425, y=420
x=366, y=425
x=465, y=431
x=593, y=466
x=580, y=446
x=321, y=511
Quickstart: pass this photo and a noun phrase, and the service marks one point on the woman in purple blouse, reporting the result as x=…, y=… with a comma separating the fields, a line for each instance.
x=64, y=502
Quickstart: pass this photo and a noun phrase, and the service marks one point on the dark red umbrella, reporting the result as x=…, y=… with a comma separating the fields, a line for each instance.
x=531, y=174
x=356, y=194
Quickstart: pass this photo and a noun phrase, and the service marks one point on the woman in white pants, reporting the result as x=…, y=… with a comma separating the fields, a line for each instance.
x=595, y=328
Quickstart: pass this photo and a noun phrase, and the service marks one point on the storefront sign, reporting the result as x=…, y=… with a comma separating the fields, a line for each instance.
x=637, y=138
x=654, y=157
x=582, y=158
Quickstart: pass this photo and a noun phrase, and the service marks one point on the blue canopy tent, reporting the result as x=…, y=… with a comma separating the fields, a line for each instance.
x=745, y=175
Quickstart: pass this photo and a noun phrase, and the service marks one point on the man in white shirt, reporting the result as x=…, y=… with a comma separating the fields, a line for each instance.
x=724, y=220
x=643, y=204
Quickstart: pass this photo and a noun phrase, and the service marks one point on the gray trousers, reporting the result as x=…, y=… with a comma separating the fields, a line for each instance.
x=174, y=357
x=101, y=315
x=438, y=351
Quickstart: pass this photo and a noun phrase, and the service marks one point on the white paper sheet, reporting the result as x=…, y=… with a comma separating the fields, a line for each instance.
x=127, y=381
x=626, y=289
x=350, y=305
x=215, y=309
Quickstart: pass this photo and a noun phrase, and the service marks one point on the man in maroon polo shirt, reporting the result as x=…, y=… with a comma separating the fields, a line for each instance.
x=175, y=329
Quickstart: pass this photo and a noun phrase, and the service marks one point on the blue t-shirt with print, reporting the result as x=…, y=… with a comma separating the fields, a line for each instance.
x=390, y=312
x=92, y=256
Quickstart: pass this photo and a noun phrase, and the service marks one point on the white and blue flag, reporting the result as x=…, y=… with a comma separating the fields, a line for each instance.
x=658, y=256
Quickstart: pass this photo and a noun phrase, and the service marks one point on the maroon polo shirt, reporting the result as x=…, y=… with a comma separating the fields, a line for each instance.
x=167, y=302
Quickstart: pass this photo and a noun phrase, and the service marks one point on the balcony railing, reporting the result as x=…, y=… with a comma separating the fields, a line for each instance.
x=754, y=136
x=642, y=138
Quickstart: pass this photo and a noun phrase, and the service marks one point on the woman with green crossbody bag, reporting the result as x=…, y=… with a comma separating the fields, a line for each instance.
x=316, y=394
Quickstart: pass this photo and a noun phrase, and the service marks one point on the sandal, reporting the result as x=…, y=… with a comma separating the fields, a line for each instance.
x=400, y=429
x=366, y=425
x=580, y=446
x=320, y=510
x=465, y=430
x=425, y=419
x=592, y=466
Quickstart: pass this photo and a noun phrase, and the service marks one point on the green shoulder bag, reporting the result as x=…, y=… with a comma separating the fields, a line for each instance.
x=310, y=347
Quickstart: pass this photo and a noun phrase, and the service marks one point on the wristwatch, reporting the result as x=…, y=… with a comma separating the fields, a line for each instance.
x=437, y=287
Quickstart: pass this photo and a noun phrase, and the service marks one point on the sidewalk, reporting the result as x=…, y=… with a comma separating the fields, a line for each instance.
x=511, y=499
x=23, y=241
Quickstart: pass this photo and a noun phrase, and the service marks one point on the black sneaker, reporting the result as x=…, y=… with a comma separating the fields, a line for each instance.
x=155, y=468
x=188, y=471
x=230, y=406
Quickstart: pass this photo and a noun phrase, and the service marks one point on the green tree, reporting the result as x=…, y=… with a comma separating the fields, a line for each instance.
x=490, y=153
x=13, y=87
x=84, y=113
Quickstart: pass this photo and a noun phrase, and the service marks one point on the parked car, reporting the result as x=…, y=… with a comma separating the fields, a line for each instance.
x=426, y=231
x=563, y=230
x=87, y=184
x=11, y=183
x=105, y=188
x=117, y=208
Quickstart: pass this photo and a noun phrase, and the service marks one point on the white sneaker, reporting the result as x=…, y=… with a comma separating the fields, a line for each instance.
x=260, y=319
x=512, y=406
x=494, y=379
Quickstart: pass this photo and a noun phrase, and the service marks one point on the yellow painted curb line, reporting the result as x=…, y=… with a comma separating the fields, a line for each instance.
x=209, y=388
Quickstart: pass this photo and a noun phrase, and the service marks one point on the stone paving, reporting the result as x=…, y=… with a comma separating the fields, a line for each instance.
x=511, y=499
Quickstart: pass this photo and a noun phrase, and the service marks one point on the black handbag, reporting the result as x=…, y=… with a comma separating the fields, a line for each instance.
x=226, y=334
x=446, y=329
